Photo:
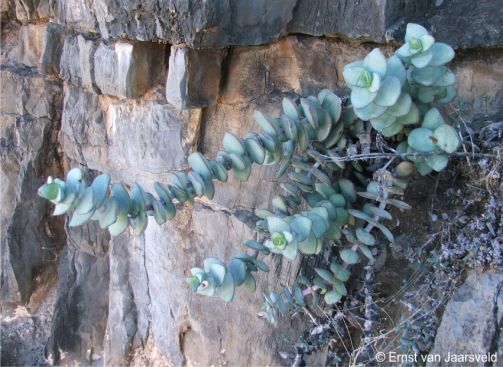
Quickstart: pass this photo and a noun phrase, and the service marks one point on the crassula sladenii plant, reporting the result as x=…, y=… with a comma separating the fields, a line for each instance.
x=329, y=198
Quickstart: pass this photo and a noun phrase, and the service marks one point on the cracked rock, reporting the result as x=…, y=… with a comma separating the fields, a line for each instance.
x=472, y=320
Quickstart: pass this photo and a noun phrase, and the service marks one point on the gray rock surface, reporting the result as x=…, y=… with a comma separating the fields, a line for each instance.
x=32, y=10
x=82, y=290
x=120, y=69
x=218, y=24
x=29, y=243
x=467, y=24
x=369, y=19
x=94, y=129
x=193, y=77
x=128, y=70
x=53, y=48
x=77, y=61
x=472, y=321
x=31, y=43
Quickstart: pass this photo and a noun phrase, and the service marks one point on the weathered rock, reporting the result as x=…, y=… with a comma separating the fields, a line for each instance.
x=472, y=321
x=480, y=84
x=201, y=25
x=466, y=24
x=83, y=133
x=31, y=10
x=81, y=310
x=31, y=43
x=145, y=273
x=353, y=19
x=128, y=70
x=53, y=48
x=25, y=330
x=77, y=14
x=77, y=61
x=281, y=68
x=121, y=69
x=29, y=112
x=104, y=134
x=193, y=77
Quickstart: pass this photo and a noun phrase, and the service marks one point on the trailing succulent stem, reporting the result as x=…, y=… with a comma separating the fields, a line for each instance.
x=331, y=197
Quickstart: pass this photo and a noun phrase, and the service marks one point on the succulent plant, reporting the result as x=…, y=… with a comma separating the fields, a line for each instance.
x=433, y=135
x=421, y=50
x=429, y=80
x=326, y=199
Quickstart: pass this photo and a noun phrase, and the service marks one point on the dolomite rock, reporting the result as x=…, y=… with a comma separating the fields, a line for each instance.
x=53, y=48
x=188, y=329
x=77, y=61
x=31, y=10
x=76, y=14
x=473, y=319
x=31, y=43
x=466, y=24
x=353, y=19
x=121, y=69
x=480, y=91
x=128, y=70
x=94, y=132
x=220, y=24
x=29, y=114
x=193, y=77
x=81, y=308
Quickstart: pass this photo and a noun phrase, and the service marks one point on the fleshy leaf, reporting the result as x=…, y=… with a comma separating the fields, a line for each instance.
x=442, y=54
x=227, y=288
x=396, y=69
x=349, y=256
x=389, y=92
x=199, y=164
x=421, y=60
x=361, y=97
x=100, y=189
x=375, y=62
x=437, y=162
x=447, y=138
x=414, y=31
x=301, y=226
x=432, y=119
x=422, y=140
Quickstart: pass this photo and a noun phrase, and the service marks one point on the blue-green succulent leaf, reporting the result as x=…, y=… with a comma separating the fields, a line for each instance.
x=199, y=164
x=100, y=189
x=349, y=256
x=422, y=140
x=237, y=268
x=447, y=138
x=361, y=97
x=414, y=31
x=437, y=162
x=421, y=60
x=401, y=107
x=375, y=62
x=442, y=54
x=301, y=226
x=395, y=68
x=389, y=92
x=227, y=288
x=432, y=119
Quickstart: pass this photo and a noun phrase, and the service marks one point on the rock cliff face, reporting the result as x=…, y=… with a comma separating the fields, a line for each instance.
x=131, y=88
